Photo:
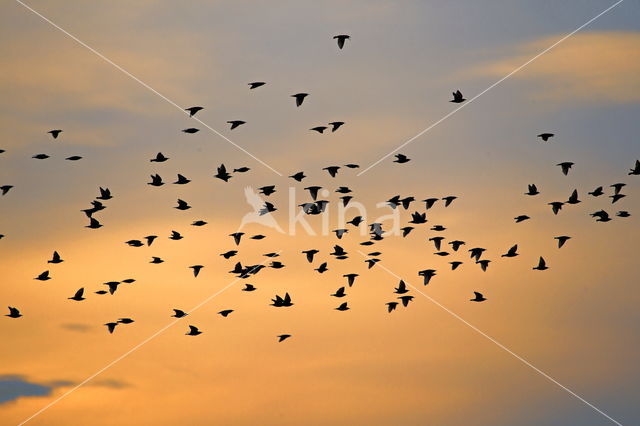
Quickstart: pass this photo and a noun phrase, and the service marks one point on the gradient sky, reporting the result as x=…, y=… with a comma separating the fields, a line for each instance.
x=576, y=322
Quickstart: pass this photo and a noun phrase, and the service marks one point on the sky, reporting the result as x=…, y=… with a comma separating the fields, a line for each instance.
x=550, y=347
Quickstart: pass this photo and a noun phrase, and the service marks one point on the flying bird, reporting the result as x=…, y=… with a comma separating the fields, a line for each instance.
x=532, y=190
x=55, y=133
x=13, y=312
x=512, y=252
x=5, y=189
x=478, y=297
x=196, y=269
x=159, y=158
x=256, y=84
x=181, y=180
x=299, y=98
x=190, y=130
x=341, y=38
x=193, y=331
x=179, y=313
x=546, y=136
x=335, y=125
x=521, y=218
x=562, y=239
x=597, y=192
x=457, y=97
x=283, y=337
x=565, y=167
x=55, y=258
x=542, y=265
x=44, y=276
x=319, y=129
x=193, y=110
x=222, y=173
x=343, y=307
x=236, y=123
x=401, y=159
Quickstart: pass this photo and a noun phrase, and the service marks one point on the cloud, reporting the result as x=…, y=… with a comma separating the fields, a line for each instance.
x=595, y=66
x=13, y=387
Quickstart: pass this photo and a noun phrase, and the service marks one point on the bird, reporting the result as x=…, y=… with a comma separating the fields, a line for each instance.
x=5, y=189
x=402, y=288
x=430, y=202
x=256, y=84
x=521, y=218
x=40, y=156
x=13, y=312
x=74, y=158
x=484, y=264
x=617, y=187
x=512, y=252
x=241, y=170
x=78, y=295
x=125, y=320
x=181, y=180
x=267, y=208
x=282, y=301
x=341, y=38
x=457, y=97
x=235, y=123
x=299, y=98
x=401, y=159
x=55, y=258
x=298, y=176
x=159, y=158
x=335, y=125
x=418, y=218
x=455, y=245
x=55, y=133
x=236, y=237
x=267, y=190
x=44, y=276
x=179, y=313
x=283, y=337
x=602, y=216
x=478, y=297
x=175, y=235
x=105, y=194
x=476, y=252
x=623, y=213
x=438, y=228
x=319, y=129
x=229, y=254
x=199, y=223
x=556, y=206
x=565, y=167
x=310, y=254
x=405, y=300
x=343, y=307
x=340, y=232
x=546, y=136
x=391, y=306
x=448, y=200
x=636, y=169
x=339, y=293
x=455, y=265
x=196, y=269
x=222, y=173
x=111, y=326
x=322, y=268
x=427, y=274
x=351, y=278
x=182, y=205
x=532, y=190
x=352, y=166
x=249, y=287
x=437, y=241
x=562, y=239
x=193, y=110
x=597, y=192
x=193, y=331
x=134, y=243
x=156, y=180
x=616, y=197
x=573, y=199
x=94, y=224
x=406, y=230
x=542, y=265
x=226, y=312
x=332, y=170
x=190, y=130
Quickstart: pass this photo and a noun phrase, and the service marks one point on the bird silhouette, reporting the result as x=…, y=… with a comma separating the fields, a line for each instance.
x=455, y=265
x=351, y=278
x=512, y=252
x=457, y=97
x=256, y=84
x=78, y=296
x=341, y=38
x=478, y=297
x=401, y=159
x=111, y=326
x=299, y=98
x=94, y=224
x=179, y=313
x=597, y=192
x=193, y=110
x=196, y=269
x=298, y=176
x=55, y=133
x=343, y=307
x=332, y=170
x=5, y=189
x=55, y=258
x=310, y=254
x=449, y=199
x=159, y=158
x=319, y=129
x=226, y=312
x=573, y=199
x=182, y=205
x=40, y=156
x=267, y=190
x=402, y=288
x=156, y=180
x=556, y=206
x=125, y=320
x=282, y=301
x=190, y=130
x=601, y=215
x=44, y=276
x=636, y=169
x=405, y=300
x=235, y=123
x=13, y=312
x=322, y=268
x=335, y=125
x=616, y=197
x=105, y=194
x=74, y=158
x=222, y=173
x=546, y=136
x=623, y=213
x=542, y=265
x=565, y=167
x=175, y=235
x=249, y=287
x=427, y=274
x=532, y=190
x=521, y=218
x=391, y=306
x=339, y=293
x=193, y=331
x=562, y=239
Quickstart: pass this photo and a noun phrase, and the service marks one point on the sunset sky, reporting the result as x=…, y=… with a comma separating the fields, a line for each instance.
x=554, y=347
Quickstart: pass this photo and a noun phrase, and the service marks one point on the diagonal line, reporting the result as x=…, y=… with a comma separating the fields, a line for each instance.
x=491, y=87
x=136, y=347
x=500, y=345
x=128, y=74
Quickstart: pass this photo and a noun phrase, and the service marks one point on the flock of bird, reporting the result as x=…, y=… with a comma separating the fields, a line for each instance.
x=317, y=206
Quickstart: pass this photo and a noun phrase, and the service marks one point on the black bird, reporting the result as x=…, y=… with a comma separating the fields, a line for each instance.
x=401, y=159
x=97, y=206
x=43, y=276
x=181, y=180
x=457, y=97
x=319, y=129
x=351, y=278
x=521, y=218
x=267, y=190
x=405, y=300
x=256, y=84
x=476, y=253
x=340, y=232
x=199, y=223
x=542, y=265
x=597, y=192
x=160, y=158
x=545, y=136
x=226, y=312
x=105, y=194
x=236, y=237
x=175, y=235
x=299, y=98
x=268, y=208
x=193, y=110
x=332, y=170
x=335, y=125
x=271, y=255
x=455, y=245
x=448, y=200
x=636, y=169
x=5, y=189
x=313, y=191
x=182, y=205
x=282, y=302
x=573, y=199
x=343, y=307
x=283, y=337
x=94, y=224
x=345, y=200
x=222, y=173
x=55, y=133
x=391, y=306
x=356, y=221
x=111, y=326
x=341, y=39
x=418, y=218
x=339, y=293
x=556, y=206
x=406, y=230
x=55, y=258
x=125, y=320
x=616, y=197
x=13, y=312
x=134, y=243
x=617, y=187
x=241, y=170
x=113, y=286
x=40, y=156
x=248, y=287
x=512, y=252
x=438, y=228
x=322, y=268
x=310, y=254
x=430, y=202
x=561, y=240
x=193, y=331
x=338, y=251
x=229, y=254
x=236, y=123
x=352, y=166
x=565, y=167
x=437, y=241
x=602, y=216
x=533, y=190
x=479, y=297
x=623, y=213
x=179, y=313
x=454, y=265
x=156, y=180
x=427, y=274
x=402, y=288
x=78, y=296
x=196, y=269
x=484, y=264
x=298, y=176
x=191, y=130
x=74, y=158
